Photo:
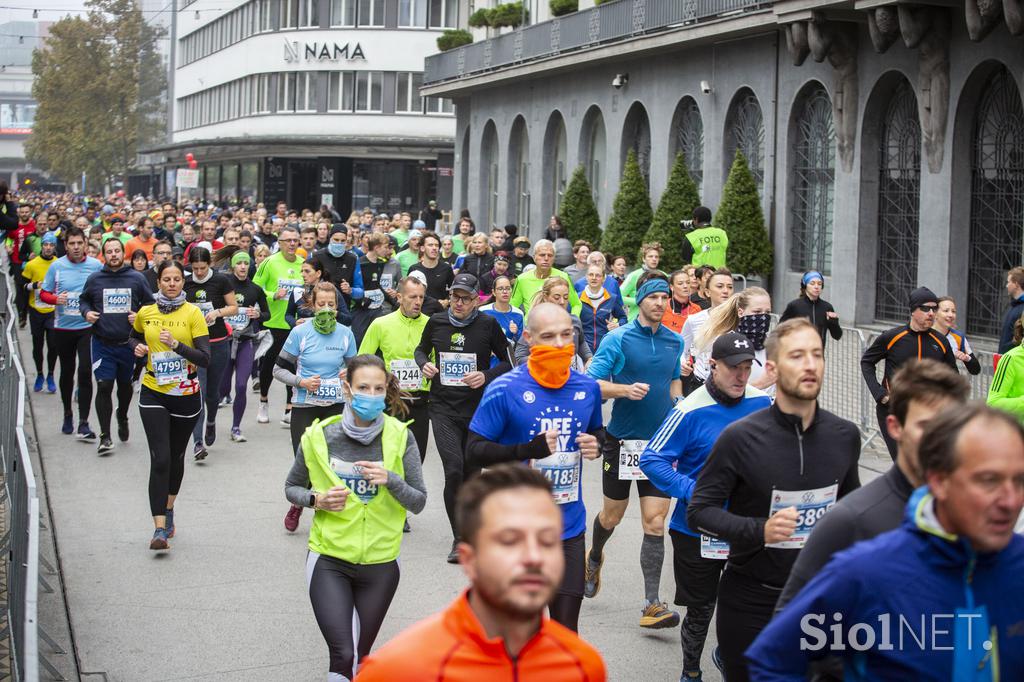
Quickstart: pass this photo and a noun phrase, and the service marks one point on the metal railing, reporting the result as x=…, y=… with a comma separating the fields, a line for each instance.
x=607, y=23
x=20, y=542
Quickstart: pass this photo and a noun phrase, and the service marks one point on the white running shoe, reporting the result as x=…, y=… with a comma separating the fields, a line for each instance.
x=263, y=417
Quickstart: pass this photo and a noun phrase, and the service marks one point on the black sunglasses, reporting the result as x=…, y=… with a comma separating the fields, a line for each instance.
x=928, y=308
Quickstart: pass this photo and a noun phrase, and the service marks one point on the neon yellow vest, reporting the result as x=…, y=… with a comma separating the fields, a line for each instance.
x=709, y=246
x=363, y=532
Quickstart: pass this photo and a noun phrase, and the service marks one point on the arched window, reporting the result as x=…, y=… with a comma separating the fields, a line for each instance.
x=636, y=135
x=688, y=138
x=556, y=156
x=519, y=174
x=745, y=132
x=814, y=173
x=899, y=192
x=594, y=151
x=997, y=200
x=489, y=167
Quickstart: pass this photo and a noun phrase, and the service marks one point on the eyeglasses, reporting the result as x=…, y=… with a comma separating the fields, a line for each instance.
x=462, y=300
x=927, y=308
x=503, y=289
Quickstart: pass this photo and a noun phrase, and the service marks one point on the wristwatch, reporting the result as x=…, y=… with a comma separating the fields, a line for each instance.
x=312, y=500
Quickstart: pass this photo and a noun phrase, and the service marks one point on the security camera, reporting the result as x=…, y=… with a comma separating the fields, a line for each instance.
x=705, y=87
x=620, y=80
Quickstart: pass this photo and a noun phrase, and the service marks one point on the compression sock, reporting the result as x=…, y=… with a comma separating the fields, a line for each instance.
x=601, y=535
x=652, y=556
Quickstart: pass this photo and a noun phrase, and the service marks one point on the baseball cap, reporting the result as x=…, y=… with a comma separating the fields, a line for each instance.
x=732, y=348
x=465, y=282
x=49, y=238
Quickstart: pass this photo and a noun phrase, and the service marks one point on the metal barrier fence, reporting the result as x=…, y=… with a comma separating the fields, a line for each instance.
x=20, y=541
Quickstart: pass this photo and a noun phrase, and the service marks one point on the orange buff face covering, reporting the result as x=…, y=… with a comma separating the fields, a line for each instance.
x=549, y=366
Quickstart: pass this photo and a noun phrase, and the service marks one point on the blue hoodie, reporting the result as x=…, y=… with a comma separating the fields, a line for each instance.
x=106, y=292
x=971, y=606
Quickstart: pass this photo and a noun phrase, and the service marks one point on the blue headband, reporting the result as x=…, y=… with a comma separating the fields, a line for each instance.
x=651, y=286
x=810, y=276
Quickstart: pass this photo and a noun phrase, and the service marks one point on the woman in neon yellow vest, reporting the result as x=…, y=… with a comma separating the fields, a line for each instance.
x=361, y=472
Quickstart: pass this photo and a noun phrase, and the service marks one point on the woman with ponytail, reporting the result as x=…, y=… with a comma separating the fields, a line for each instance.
x=360, y=470
x=750, y=313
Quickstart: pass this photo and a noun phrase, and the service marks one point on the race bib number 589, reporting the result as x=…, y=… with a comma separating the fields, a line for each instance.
x=811, y=506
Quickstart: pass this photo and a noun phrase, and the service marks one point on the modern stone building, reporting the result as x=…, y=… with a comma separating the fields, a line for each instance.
x=887, y=138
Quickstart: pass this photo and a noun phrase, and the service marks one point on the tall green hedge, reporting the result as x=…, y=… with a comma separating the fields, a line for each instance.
x=739, y=214
x=631, y=213
x=578, y=213
x=677, y=203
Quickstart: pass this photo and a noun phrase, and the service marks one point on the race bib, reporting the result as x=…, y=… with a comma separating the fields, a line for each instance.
x=117, y=301
x=375, y=298
x=240, y=321
x=328, y=393
x=387, y=282
x=629, y=460
x=408, y=374
x=810, y=505
x=205, y=307
x=455, y=366
x=169, y=367
x=563, y=470
x=73, y=307
x=713, y=548
x=290, y=284
x=352, y=476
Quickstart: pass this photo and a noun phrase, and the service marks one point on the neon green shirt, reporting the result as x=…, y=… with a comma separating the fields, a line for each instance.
x=276, y=273
x=396, y=337
x=1007, y=389
x=528, y=284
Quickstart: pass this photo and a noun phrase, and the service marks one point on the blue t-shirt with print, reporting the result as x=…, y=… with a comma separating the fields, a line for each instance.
x=67, y=277
x=322, y=355
x=515, y=408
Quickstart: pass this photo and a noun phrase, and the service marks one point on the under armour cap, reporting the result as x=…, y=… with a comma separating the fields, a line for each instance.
x=732, y=348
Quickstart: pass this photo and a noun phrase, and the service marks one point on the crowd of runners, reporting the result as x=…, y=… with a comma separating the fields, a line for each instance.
x=385, y=331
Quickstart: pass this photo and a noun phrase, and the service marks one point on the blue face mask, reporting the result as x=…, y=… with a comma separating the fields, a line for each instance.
x=367, y=407
x=336, y=250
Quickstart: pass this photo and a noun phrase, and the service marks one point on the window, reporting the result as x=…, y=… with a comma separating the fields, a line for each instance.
x=308, y=13
x=438, y=105
x=341, y=91
x=296, y=92
x=689, y=139
x=368, y=91
x=412, y=13
x=262, y=92
x=266, y=18
x=814, y=170
x=343, y=12
x=371, y=12
x=745, y=132
x=407, y=92
x=290, y=13
x=444, y=13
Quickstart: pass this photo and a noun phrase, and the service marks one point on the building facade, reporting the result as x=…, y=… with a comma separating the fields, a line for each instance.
x=887, y=140
x=310, y=102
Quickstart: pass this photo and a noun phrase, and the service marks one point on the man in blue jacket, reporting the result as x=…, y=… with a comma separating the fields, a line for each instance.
x=1015, y=288
x=109, y=301
x=938, y=598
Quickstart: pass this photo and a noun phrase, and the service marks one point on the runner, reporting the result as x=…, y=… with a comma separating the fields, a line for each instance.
x=811, y=305
x=253, y=310
x=529, y=283
x=341, y=268
x=15, y=238
x=496, y=629
x=312, y=361
x=394, y=337
x=945, y=324
x=1015, y=290
x=437, y=273
x=1007, y=389
x=600, y=310
x=478, y=258
x=62, y=286
x=352, y=566
x=456, y=348
x=109, y=302
x=680, y=305
x=40, y=314
x=748, y=312
x=174, y=338
x=765, y=473
x=410, y=255
x=674, y=458
x=651, y=257
x=556, y=290
x=521, y=258
x=278, y=276
x=381, y=274
x=214, y=295
x=638, y=367
x=510, y=319
x=719, y=288
x=899, y=344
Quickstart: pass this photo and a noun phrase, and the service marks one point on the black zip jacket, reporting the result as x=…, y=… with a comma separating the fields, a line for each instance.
x=1010, y=317
x=114, y=328
x=896, y=346
x=765, y=451
x=477, y=265
x=483, y=337
x=339, y=269
x=817, y=313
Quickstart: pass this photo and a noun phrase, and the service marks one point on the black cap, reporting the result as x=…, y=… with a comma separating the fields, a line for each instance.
x=465, y=282
x=732, y=348
x=920, y=296
x=339, y=228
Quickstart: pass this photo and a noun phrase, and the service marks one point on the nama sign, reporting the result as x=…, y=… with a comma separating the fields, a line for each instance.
x=321, y=52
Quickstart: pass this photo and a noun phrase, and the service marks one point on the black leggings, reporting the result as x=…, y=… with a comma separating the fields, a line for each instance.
x=72, y=345
x=882, y=412
x=744, y=608
x=450, y=436
x=20, y=292
x=269, y=360
x=105, y=405
x=41, y=325
x=168, y=421
x=209, y=381
x=565, y=607
x=349, y=602
x=420, y=415
x=303, y=418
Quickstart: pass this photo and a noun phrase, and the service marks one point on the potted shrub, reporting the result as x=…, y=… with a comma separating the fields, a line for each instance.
x=453, y=38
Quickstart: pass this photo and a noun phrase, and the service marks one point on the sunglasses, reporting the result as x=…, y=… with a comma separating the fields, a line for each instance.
x=927, y=308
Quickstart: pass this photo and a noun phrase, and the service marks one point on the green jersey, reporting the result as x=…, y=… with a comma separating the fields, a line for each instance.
x=395, y=337
x=528, y=284
x=278, y=273
x=1007, y=389
x=407, y=259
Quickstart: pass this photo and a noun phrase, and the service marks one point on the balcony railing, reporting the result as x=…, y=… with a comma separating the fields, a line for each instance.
x=607, y=23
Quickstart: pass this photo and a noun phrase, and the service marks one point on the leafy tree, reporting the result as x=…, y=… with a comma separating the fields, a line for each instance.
x=631, y=213
x=739, y=214
x=578, y=212
x=677, y=203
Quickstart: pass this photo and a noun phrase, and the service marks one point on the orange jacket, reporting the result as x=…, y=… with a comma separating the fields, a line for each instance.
x=453, y=646
x=674, y=320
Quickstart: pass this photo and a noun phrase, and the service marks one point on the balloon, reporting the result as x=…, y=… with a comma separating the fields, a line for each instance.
x=189, y=157
x=193, y=164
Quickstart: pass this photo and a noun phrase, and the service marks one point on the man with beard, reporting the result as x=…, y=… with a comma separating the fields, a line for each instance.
x=511, y=553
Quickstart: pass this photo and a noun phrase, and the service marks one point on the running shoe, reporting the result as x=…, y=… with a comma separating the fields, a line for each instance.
x=406, y=528
x=255, y=385
x=159, y=540
x=86, y=434
x=210, y=436
x=38, y=386
x=169, y=515
x=22, y=322
x=236, y=436
x=199, y=452
x=592, y=577
x=716, y=658
x=106, y=446
x=286, y=420
x=122, y=429
x=68, y=428
x=291, y=519
x=263, y=416
x=51, y=385
x=453, y=556
x=226, y=400
x=657, y=616
x=696, y=676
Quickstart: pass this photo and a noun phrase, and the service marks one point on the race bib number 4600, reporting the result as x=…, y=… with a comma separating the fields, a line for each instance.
x=810, y=505
x=563, y=470
x=629, y=460
x=352, y=476
x=455, y=366
x=117, y=301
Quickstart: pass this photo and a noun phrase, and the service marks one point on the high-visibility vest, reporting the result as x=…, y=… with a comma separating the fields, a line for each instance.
x=709, y=246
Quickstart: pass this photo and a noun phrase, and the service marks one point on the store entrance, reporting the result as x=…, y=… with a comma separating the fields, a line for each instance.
x=303, y=184
x=392, y=186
